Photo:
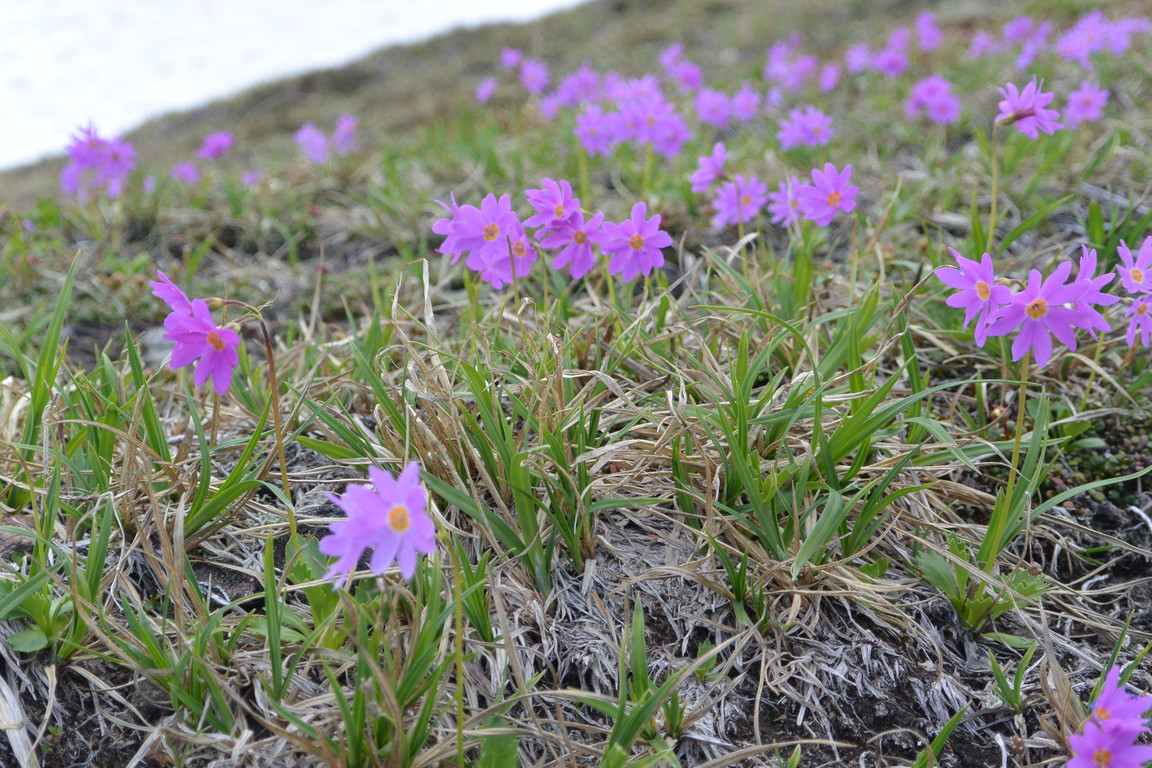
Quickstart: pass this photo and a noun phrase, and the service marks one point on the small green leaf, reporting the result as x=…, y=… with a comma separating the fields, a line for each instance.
x=29, y=641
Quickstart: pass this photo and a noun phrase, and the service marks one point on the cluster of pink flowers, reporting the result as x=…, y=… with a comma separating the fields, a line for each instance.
x=316, y=146
x=95, y=163
x=807, y=127
x=1109, y=736
x=740, y=199
x=933, y=97
x=1136, y=277
x=1049, y=306
x=197, y=338
x=499, y=246
x=391, y=520
x=642, y=115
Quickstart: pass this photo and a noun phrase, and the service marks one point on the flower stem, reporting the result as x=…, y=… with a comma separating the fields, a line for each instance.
x=278, y=427
x=458, y=648
x=995, y=189
x=1000, y=514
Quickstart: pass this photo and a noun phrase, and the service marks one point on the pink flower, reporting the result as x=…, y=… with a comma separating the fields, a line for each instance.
x=933, y=96
x=312, y=142
x=1092, y=286
x=829, y=77
x=634, y=244
x=713, y=107
x=1136, y=273
x=927, y=33
x=858, y=58
x=186, y=173
x=510, y=58
x=390, y=520
x=1038, y=312
x=344, y=135
x=745, y=102
x=1027, y=109
x=807, y=127
x=533, y=75
x=979, y=295
x=553, y=203
x=1085, y=104
x=783, y=205
x=1117, y=710
x=594, y=131
x=739, y=201
x=215, y=146
x=711, y=168
x=1141, y=322
x=575, y=238
x=983, y=43
x=1098, y=747
x=829, y=192
x=197, y=337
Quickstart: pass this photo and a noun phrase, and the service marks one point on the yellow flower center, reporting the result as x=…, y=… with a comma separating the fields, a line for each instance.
x=1037, y=309
x=491, y=232
x=1101, y=713
x=817, y=129
x=1142, y=309
x=518, y=249
x=1137, y=274
x=636, y=242
x=833, y=199
x=215, y=341
x=559, y=211
x=398, y=518
x=1102, y=757
x=745, y=199
x=982, y=290
x=580, y=237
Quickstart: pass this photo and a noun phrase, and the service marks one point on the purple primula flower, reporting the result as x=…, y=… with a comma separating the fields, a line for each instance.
x=251, y=178
x=928, y=35
x=97, y=163
x=484, y=230
x=197, y=337
x=830, y=191
x=1116, y=709
x=1017, y=30
x=575, y=239
x=344, y=135
x=553, y=203
x=1027, y=109
x=1136, y=273
x=933, y=96
x=1141, y=314
x=710, y=169
x=1097, y=747
x=1085, y=104
x=594, y=131
x=746, y=102
x=713, y=107
x=983, y=43
x=806, y=127
x=312, y=142
x=1038, y=312
x=485, y=88
x=739, y=201
x=634, y=244
x=979, y=294
x=186, y=173
x=829, y=77
x=533, y=75
x=510, y=58
x=1092, y=293
x=215, y=146
x=390, y=520
x=783, y=205
x=858, y=58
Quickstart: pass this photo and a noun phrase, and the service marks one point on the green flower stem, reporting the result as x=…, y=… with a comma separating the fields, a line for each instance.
x=999, y=517
x=458, y=648
x=995, y=189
